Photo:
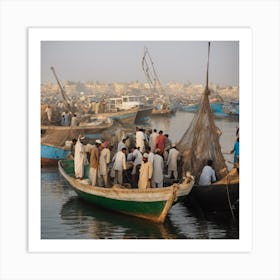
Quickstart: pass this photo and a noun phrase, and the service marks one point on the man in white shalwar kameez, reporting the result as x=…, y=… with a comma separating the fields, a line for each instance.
x=157, y=179
x=119, y=160
x=80, y=158
x=146, y=173
x=173, y=157
x=152, y=140
x=140, y=140
x=49, y=113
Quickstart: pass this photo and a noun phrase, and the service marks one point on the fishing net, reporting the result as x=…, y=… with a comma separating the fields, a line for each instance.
x=201, y=142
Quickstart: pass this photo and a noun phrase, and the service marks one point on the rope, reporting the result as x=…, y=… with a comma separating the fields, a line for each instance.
x=229, y=202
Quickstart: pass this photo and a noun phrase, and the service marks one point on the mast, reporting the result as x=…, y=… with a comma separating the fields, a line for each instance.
x=62, y=91
x=207, y=92
x=152, y=76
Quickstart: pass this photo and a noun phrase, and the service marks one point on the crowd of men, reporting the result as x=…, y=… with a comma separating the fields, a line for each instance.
x=140, y=164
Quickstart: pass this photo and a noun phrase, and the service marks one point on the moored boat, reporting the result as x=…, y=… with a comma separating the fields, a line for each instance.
x=56, y=140
x=199, y=144
x=50, y=154
x=152, y=204
x=222, y=195
x=123, y=116
x=84, y=127
x=165, y=111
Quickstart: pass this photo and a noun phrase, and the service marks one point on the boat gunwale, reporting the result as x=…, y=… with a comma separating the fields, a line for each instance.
x=115, y=192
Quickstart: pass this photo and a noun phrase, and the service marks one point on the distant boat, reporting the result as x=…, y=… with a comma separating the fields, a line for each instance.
x=219, y=109
x=128, y=102
x=152, y=204
x=123, y=116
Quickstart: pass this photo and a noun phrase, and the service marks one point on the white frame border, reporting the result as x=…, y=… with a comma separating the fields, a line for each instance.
x=36, y=35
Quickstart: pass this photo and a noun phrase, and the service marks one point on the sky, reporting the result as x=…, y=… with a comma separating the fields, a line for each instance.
x=120, y=61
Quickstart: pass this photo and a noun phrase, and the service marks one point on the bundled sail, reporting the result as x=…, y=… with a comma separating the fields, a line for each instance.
x=201, y=140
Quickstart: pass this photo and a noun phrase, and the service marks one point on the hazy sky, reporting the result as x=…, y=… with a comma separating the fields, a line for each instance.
x=120, y=61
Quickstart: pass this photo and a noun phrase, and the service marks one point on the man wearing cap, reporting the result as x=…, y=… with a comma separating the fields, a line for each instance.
x=146, y=173
x=173, y=157
x=94, y=162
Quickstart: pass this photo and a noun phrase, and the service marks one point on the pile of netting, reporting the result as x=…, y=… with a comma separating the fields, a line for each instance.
x=201, y=142
x=58, y=136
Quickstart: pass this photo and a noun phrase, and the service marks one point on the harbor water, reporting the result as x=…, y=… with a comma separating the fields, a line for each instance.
x=65, y=216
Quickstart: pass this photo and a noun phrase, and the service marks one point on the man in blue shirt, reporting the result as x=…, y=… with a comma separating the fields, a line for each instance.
x=235, y=150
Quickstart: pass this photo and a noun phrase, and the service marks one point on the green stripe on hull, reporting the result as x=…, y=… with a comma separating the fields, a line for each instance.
x=130, y=207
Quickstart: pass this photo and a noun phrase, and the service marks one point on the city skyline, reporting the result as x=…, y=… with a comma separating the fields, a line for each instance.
x=120, y=61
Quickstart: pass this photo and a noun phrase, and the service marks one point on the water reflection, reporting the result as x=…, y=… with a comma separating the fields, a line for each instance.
x=181, y=223
x=103, y=224
x=195, y=223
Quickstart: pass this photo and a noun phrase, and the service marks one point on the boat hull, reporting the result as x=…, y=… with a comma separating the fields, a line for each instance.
x=50, y=155
x=76, y=129
x=152, y=204
x=126, y=116
x=217, y=109
x=143, y=114
x=161, y=112
x=220, y=197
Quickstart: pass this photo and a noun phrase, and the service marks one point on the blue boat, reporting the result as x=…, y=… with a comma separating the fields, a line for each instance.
x=50, y=155
x=219, y=109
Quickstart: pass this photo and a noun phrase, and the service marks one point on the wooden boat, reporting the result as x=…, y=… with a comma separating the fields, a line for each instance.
x=50, y=155
x=152, y=204
x=166, y=111
x=143, y=114
x=222, y=195
x=83, y=128
x=54, y=139
x=201, y=143
x=122, y=116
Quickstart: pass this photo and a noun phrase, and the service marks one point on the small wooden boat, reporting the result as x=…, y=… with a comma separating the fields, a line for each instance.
x=222, y=195
x=50, y=155
x=54, y=139
x=199, y=144
x=166, y=111
x=122, y=116
x=84, y=128
x=151, y=204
